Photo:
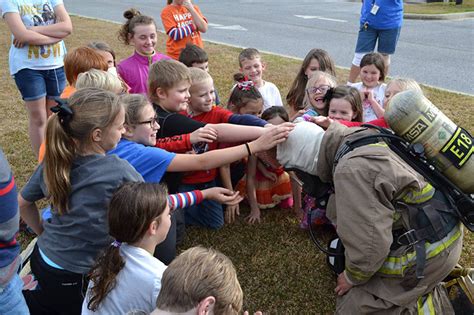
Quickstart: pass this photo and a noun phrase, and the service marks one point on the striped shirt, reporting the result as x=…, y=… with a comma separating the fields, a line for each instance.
x=186, y=199
x=9, y=223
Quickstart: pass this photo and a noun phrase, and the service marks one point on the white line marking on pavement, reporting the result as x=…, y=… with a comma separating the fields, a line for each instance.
x=214, y=24
x=306, y=17
x=231, y=27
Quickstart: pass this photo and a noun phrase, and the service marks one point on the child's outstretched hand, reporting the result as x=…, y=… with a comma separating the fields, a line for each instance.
x=231, y=212
x=299, y=113
x=254, y=216
x=203, y=134
x=322, y=121
x=271, y=137
x=222, y=195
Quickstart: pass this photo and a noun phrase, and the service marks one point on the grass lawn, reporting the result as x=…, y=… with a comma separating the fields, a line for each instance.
x=439, y=7
x=280, y=270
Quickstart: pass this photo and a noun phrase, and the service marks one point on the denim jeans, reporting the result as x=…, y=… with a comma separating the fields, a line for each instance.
x=386, y=40
x=35, y=84
x=208, y=214
x=12, y=301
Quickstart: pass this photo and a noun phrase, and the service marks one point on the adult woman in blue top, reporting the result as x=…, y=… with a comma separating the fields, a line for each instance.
x=380, y=22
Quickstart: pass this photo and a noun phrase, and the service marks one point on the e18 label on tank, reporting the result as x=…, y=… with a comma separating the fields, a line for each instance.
x=459, y=148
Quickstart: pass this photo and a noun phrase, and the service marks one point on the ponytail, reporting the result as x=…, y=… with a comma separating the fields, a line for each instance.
x=243, y=92
x=134, y=18
x=59, y=154
x=104, y=278
x=133, y=207
x=69, y=132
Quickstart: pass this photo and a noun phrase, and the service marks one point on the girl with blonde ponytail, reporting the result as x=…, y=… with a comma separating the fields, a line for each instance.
x=78, y=179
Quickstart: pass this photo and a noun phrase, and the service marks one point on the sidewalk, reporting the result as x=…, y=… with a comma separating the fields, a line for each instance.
x=445, y=16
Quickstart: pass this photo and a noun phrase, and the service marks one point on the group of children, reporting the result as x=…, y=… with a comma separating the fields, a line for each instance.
x=148, y=119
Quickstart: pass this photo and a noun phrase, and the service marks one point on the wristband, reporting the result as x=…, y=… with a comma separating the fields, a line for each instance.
x=248, y=149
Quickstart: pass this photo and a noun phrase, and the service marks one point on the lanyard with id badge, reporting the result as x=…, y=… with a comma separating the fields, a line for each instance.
x=373, y=11
x=375, y=8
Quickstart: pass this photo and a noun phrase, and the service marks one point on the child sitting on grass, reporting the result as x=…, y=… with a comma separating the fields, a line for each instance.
x=252, y=66
x=264, y=187
x=201, y=108
x=169, y=84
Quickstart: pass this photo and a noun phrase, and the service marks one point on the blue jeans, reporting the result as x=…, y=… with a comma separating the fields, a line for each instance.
x=35, y=84
x=386, y=40
x=208, y=214
x=12, y=301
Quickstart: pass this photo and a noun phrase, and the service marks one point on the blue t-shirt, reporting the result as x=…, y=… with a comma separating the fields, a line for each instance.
x=36, y=57
x=150, y=162
x=389, y=15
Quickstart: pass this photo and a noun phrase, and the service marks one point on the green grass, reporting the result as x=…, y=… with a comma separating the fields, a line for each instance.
x=440, y=7
x=280, y=270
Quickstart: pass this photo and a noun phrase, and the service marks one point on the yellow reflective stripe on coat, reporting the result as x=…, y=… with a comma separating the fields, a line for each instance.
x=414, y=196
x=397, y=265
x=425, y=305
x=360, y=276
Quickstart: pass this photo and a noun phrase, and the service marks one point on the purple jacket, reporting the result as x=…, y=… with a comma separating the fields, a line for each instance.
x=134, y=71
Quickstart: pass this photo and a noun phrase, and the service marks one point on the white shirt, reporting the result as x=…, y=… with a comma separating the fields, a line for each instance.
x=271, y=95
x=379, y=94
x=138, y=284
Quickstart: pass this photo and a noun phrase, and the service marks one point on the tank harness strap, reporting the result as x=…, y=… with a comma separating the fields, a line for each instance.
x=427, y=224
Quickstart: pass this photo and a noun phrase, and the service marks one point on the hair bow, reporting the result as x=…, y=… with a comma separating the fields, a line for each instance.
x=64, y=112
x=245, y=85
x=116, y=244
x=328, y=96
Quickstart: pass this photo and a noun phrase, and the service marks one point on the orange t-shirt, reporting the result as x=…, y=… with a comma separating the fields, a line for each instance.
x=68, y=91
x=177, y=16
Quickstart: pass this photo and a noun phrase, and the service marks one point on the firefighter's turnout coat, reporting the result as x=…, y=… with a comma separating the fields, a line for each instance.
x=367, y=182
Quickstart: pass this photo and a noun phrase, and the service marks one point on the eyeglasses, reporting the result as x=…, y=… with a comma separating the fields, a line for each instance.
x=150, y=122
x=316, y=89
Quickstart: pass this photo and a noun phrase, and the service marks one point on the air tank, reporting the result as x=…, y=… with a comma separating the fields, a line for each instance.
x=449, y=147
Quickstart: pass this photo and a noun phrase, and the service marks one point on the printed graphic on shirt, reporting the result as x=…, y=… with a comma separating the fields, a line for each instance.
x=184, y=20
x=40, y=15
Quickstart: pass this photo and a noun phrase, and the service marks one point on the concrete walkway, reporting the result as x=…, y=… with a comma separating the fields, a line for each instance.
x=444, y=16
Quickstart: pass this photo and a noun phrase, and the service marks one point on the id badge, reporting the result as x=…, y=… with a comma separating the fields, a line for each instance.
x=375, y=9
